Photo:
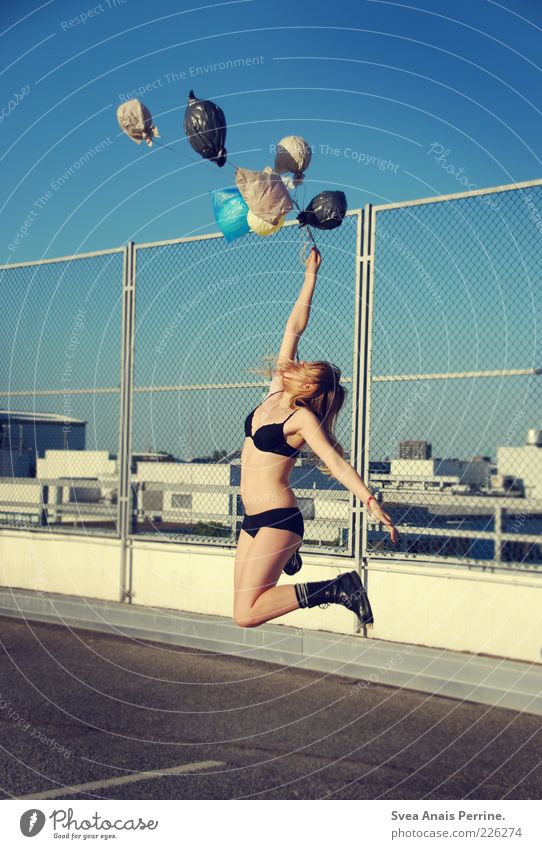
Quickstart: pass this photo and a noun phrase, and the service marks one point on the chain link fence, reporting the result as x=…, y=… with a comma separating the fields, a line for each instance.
x=206, y=313
x=456, y=377
x=438, y=320
x=59, y=393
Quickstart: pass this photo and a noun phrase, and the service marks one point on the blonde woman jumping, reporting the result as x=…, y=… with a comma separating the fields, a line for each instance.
x=301, y=407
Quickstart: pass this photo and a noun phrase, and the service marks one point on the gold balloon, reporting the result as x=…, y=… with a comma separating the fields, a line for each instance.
x=261, y=227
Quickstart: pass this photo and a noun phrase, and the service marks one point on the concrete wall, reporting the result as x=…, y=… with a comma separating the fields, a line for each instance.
x=58, y=563
x=200, y=580
x=447, y=608
x=458, y=609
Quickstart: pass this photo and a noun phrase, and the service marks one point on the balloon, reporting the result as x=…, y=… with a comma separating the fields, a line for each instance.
x=230, y=212
x=205, y=128
x=265, y=193
x=136, y=121
x=261, y=227
x=293, y=154
x=325, y=211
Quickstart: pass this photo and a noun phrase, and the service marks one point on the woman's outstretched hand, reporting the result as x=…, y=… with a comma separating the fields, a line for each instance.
x=314, y=261
x=380, y=515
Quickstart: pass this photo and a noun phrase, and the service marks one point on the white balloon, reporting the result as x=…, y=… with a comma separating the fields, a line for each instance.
x=294, y=156
x=136, y=121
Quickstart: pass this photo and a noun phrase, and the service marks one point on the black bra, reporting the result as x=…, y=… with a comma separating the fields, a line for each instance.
x=268, y=438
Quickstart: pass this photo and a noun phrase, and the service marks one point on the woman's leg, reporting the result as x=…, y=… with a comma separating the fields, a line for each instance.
x=257, y=599
x=243, y=544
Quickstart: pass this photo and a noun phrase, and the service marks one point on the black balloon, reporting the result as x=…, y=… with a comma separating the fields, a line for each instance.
x=205, y=128
x=325, y=211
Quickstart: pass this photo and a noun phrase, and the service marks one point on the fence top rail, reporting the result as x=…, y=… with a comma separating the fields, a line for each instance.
x=69, y=258
x=457, y=195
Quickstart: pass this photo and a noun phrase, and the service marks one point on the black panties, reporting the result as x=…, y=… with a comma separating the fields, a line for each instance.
x=284, y=518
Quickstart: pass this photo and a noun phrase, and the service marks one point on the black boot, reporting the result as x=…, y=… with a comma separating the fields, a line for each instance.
x=346, y=589
x=294, y=563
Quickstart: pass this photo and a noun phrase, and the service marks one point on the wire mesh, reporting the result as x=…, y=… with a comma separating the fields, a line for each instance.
x=454, y=444
x=206, y=313
x=59, y=393
x=456, y=378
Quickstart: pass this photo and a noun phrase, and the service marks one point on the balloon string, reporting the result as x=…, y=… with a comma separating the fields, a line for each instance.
x=190, y=159
x=308, y=229
x=303, y=252
x=185, y=155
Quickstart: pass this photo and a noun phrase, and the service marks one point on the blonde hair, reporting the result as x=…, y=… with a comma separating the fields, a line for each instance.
x=325, y=401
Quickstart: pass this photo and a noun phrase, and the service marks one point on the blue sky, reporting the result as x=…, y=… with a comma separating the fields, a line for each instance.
x=383, y=80
x=378, y=88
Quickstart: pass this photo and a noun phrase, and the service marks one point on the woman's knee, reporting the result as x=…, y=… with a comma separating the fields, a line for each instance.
x=244, y=617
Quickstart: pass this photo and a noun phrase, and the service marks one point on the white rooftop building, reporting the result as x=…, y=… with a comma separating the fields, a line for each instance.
x=438, y=473
x=76, y=464
x=181, y=494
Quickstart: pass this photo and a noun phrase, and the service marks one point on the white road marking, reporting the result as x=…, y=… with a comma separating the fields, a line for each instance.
x=121, y=779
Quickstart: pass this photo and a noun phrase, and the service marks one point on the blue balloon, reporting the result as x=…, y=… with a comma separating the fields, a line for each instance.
x=230, y=212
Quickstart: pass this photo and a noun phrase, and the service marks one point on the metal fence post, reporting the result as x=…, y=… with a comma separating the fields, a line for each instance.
x=360, y=377
x=368, y=299
x=366, y=307
x=362, y=391
x=355, y=515
x=125, y=427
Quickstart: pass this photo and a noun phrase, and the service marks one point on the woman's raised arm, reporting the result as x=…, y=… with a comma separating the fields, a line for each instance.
x=299, y=317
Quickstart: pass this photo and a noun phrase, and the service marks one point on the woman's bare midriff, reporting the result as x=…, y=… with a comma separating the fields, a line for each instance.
x=265, y=475
x=265, y=479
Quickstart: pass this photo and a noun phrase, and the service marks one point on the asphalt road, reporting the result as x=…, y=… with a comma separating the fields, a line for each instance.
x=78, y=707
